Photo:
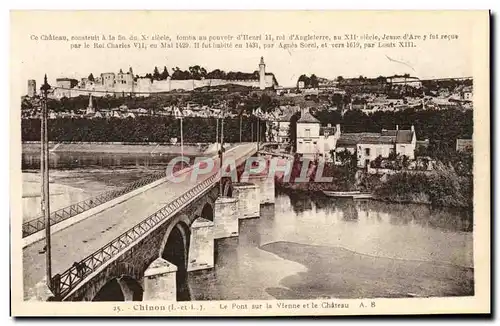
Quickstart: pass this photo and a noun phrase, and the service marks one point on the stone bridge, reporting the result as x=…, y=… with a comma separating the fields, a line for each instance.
x=151, y=259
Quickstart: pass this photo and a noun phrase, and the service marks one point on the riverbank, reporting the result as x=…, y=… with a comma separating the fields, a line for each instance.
x=119, y=148
x=443, y=188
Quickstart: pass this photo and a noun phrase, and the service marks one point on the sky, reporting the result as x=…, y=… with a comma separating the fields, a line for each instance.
x=32, y=59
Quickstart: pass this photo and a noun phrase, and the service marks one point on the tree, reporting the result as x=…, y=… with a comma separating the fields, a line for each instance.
x=265, y=103
x=349, y=162
x=377, y=162
x=314, y=81
x=156, y=74
x=164, y=75
x=292, y=131
x=91, y=77
x=336, y=100
x=345, y=158
x=305, y=80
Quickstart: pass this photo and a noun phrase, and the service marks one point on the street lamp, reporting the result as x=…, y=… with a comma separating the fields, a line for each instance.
x=182, y=144
x=258, y=132
x=44, y=171
x=221, y=151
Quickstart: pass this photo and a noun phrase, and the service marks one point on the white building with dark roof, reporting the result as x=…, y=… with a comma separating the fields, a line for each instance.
x=369, y=146
x=327, y=142
x=313, y=140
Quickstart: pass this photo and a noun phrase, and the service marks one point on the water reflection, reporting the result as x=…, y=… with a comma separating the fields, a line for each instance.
x=446, y=218
x=300, y=203
x=74, y=160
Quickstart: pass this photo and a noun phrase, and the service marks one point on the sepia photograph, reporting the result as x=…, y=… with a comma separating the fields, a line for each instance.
x=250, y=163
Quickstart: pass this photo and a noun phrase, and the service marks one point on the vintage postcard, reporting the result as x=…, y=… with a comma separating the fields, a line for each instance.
x=250, y=163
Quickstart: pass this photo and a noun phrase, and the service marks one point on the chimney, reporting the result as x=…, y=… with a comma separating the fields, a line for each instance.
x=397, y=127
x=412, y=128
x=337, y=128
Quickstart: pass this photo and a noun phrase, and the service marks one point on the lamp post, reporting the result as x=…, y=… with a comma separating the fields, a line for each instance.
x=182, y=145
x=241, y=118
x=44, y=170
x=258, y=132
x=217, y=134
x=252, y=128
x=221, y=151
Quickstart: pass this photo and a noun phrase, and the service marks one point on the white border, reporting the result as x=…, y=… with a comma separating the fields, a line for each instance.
x=200, y=4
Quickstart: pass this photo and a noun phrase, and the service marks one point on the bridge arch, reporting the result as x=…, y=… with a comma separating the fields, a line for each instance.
x=207, y=212
x=175, y=249
x=120, y=284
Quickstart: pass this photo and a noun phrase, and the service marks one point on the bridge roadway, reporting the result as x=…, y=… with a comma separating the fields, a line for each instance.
x=87, y=236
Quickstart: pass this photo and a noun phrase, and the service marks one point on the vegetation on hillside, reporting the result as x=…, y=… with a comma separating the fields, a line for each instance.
x=141, y=129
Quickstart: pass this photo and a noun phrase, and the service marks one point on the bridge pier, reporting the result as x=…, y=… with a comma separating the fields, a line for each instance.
x=266, y=188
x=248, y=199
x=160, y=281
x=201, y=247
x=226, y=217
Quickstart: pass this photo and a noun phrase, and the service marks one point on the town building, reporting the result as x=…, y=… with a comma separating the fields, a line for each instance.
x=464, y=145
x=466, y=94
x=279, y=124
x=64, y=86
x=31, y=88
x=403, y=80
x=369, y=146
x=327, y=143
x=313, y=140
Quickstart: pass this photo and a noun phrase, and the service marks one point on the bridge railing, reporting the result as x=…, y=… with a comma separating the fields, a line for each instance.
x=38, y=224
x=64, y=283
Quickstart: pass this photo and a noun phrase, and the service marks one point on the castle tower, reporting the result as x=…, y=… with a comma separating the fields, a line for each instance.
x=31, y=87
x=131, y=80
x=262, y=73
x=90, y=107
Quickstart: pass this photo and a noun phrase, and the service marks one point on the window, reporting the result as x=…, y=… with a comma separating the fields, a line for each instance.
x=367, y=151
x=308, y=132
x=314, y=142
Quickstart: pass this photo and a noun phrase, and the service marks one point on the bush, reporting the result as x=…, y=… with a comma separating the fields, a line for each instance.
x=441, y=188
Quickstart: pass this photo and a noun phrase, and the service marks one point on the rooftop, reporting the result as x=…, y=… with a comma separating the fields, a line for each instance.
x=402, y=136
x=351, y=139
x=307, y=117
x=385, y=137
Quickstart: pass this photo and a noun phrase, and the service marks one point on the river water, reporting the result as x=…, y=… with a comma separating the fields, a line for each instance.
x=309, y=246
x=88, y=160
